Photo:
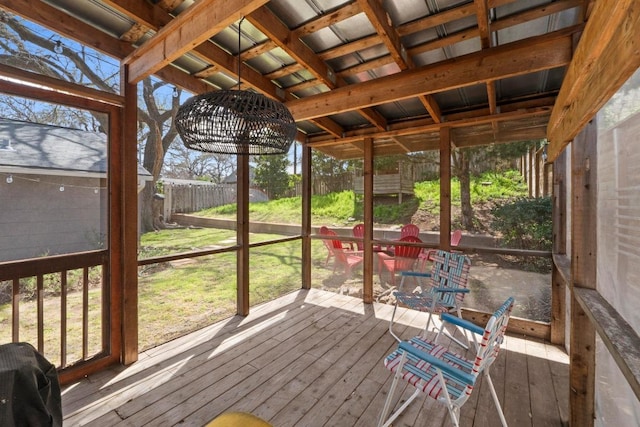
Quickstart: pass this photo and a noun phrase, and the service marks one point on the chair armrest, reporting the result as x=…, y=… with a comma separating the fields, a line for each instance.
x=410, y=273
x=458, y=290
x=459, y=375
x=414, y=274
x=455, y=320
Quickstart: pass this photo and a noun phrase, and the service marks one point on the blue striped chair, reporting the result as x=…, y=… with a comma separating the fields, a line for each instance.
x=441, y=291
x=443, y=375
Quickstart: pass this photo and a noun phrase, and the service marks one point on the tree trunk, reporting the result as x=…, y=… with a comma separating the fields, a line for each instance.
x=462, y=172
x=465, y=200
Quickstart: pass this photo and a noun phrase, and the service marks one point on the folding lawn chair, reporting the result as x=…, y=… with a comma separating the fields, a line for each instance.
x=442, y=374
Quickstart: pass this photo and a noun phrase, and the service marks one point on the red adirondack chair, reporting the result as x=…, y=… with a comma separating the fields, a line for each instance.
x=402, y=259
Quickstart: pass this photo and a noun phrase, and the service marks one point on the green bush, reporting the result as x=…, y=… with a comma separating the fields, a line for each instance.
x=524, y=223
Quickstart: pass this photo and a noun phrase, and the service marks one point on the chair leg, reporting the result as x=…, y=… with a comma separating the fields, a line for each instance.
x=400, y=410
x=391, y=322
x=392, y=390
x=495, y=397
x=453, y=409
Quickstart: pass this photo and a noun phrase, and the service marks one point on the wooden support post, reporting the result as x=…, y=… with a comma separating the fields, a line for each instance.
x=306, y=217
x=445, y=188
x=367, y=267
x=123, y=135
x=546, y=168
x=558, y=284
x=583, y=275
x=537, y=159
x=243, y=235
x=530, y=156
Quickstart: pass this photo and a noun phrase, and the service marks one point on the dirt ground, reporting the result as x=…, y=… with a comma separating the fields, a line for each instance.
x=490, y=283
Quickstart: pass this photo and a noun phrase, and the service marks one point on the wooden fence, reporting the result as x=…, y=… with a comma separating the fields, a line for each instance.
x=186, y=198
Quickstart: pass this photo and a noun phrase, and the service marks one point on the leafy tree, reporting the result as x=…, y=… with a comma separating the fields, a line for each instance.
x=184, y=163
x=330, y=171
x=24, y=45
x=271, y=174
x=496, y=157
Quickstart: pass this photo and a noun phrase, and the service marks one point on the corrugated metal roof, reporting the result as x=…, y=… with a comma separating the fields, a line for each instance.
x=350, y=45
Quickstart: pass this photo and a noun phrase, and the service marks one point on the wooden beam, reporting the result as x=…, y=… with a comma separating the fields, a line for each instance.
x=621, y=340
x=330, y=126
x=242, y=233
x=415, y=127
x=482, y=15
x=268, y=23
x=534, y=13
x=60, y=85
x=607, y=55
x=536, y=54
x=448, y=40
x=306, y=217
x=582, y=348
x=367, y=292
x=350, y=47
x=199, y=22
x=74, y=29
x=445, y=188
x=129, y=195
x=156, y=18
x=62, y=23
x=436, y=19
x=377, y=119
x=344, y=12
x=559, y=283
x=382, y=24
x=265, y=21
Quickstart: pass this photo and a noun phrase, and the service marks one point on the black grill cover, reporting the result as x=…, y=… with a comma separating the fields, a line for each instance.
x=29, y=388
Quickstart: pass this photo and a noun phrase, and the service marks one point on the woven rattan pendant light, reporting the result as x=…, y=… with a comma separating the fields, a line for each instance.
x=235, y=122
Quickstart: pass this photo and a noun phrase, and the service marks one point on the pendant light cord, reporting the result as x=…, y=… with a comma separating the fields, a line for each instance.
x=239, y=48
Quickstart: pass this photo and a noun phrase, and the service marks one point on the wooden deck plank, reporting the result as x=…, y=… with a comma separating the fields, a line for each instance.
x=151, y=370
x=558, y=362
x=377, y=343
x=544, y=407
x=486, y=413
x=517, y=407
x=310, y=358
x=243, y=354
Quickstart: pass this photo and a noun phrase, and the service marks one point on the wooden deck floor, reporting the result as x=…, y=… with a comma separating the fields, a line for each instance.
x=310, y=358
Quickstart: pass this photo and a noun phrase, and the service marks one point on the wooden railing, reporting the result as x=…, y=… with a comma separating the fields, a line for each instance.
x=43, y=285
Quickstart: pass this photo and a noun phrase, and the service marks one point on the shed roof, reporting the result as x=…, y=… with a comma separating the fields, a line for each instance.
x=44, y=147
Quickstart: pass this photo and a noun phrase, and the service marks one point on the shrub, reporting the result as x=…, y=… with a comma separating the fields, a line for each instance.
x=524, y=223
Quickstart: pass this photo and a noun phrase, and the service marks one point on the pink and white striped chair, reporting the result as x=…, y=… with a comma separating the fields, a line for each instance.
x=441, y=290
x=443, y=375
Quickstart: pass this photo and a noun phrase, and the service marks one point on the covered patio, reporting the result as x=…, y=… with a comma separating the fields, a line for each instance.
x=363, y=79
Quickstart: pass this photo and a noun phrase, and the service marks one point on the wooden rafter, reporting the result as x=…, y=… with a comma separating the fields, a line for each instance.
x=345, y=12
x=382, y=23
x=191, y=28
x=75, y=29
x=264, y=20
x=419, y=126
x=156, y=18
x=539, y=53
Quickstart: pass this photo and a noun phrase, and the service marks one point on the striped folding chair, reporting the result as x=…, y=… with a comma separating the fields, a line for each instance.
x=442, y=290
x=443, y=375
